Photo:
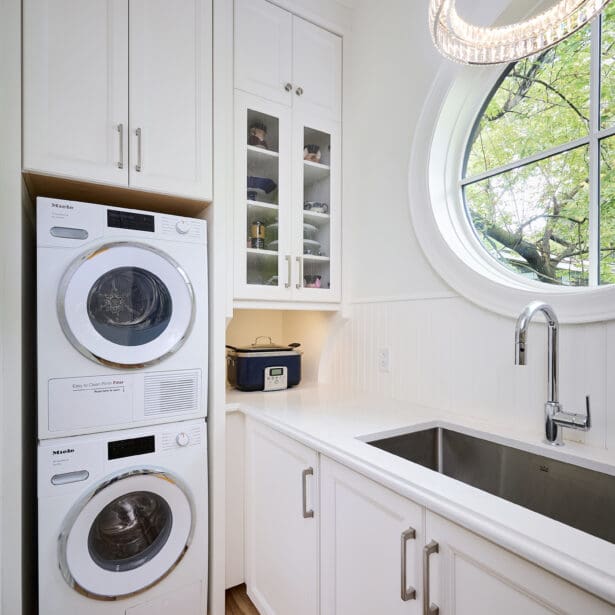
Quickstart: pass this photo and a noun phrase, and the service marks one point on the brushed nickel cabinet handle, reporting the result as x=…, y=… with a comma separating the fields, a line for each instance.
x=288, y=87
x=289, y=264
x=139, y=165
x=407, y=591
x=299, y=284
x=307, y=514
x=120, y=129
x=428, y=607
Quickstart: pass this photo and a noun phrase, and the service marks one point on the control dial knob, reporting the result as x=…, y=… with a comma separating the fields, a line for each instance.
x=182, y=439
x=182, y=226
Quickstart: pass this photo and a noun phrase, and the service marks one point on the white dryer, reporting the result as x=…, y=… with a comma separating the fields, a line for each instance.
x=122, y=318
x=123, y=522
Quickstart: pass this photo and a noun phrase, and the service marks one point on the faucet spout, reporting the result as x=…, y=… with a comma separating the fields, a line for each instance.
x=521, y=329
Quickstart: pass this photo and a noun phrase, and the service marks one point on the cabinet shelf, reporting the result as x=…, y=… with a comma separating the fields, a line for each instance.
x=316, y=258
x=261, y=151
x=316, y=217
x=259, y=252
x=315, y=172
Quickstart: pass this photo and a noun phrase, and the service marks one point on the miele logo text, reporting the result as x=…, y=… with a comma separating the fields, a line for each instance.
x=62, y=206
x=63, y=451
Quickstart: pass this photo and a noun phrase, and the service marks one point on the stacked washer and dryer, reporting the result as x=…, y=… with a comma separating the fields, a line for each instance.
x=122, y=389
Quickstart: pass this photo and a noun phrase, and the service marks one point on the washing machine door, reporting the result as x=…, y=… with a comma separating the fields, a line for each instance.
x=126, y=305
x=127, y=534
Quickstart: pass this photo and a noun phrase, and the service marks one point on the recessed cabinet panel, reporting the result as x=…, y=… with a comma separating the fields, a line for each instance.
x=75, y=74
x=170, y=102
x=263, y=50
x=472, y=576
x=282, y=523
x=363, y=527
x=317, y=70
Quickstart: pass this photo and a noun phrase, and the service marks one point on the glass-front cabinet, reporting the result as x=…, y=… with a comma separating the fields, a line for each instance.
x=287, y=215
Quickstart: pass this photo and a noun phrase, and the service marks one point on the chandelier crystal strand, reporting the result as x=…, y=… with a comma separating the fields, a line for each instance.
x=467, y=43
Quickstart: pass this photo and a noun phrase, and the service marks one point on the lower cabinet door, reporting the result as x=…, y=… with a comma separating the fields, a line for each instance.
x=282, y=517
x=371, y=542
x=472, y=576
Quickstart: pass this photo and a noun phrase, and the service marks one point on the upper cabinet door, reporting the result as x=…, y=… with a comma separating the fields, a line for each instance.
x=263, y=50
x=75, y=74
x=317, y=70
x=170, y=96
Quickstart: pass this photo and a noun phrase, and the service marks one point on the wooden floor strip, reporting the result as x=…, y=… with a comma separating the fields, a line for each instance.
x=238, y=603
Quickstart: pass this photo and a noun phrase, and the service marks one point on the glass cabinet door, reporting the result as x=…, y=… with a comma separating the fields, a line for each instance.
x=262, y=151
x=317, y=234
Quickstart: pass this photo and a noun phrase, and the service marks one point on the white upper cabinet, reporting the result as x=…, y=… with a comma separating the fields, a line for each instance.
x=317, y=70
x=75, y=74
x=170, y=96
x=288, y=60
x=263, y=50
x=119, y=92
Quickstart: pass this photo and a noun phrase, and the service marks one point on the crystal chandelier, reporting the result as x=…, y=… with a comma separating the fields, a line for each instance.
x=466, y=43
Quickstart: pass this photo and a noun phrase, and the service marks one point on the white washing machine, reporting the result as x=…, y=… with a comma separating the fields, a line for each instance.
x=122, y=318
x=123, y=522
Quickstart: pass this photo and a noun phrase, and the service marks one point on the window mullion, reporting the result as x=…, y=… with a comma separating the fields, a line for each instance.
x=594, y=155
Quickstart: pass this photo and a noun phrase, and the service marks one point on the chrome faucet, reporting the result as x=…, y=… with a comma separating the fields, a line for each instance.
x=555, y=417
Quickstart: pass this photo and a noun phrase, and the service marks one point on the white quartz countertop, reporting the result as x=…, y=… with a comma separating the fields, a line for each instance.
x=335, y=423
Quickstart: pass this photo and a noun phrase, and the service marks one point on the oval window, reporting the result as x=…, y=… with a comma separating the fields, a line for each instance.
x=538, y=178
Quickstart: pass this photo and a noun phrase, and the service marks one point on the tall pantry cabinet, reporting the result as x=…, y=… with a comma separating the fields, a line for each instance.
x=287, y=156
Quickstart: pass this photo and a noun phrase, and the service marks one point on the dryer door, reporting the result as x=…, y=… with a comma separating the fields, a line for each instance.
x=127, y=534
x=126, y=305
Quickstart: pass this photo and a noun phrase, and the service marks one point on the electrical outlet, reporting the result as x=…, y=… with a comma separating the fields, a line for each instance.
x=383, y=360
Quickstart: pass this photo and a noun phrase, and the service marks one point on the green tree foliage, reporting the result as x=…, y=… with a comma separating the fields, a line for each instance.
x=535, y=218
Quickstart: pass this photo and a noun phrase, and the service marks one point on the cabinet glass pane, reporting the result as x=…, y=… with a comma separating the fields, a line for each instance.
x=316, y=209
x=262, y=221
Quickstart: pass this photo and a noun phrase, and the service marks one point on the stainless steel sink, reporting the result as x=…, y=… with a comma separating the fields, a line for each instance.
x=579, y=497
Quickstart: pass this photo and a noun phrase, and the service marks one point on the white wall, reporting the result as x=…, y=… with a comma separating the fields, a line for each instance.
x=17, y=438
x=445, y=352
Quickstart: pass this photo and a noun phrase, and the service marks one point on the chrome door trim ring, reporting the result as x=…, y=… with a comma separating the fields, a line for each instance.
x=66, y=278
x=80, y=504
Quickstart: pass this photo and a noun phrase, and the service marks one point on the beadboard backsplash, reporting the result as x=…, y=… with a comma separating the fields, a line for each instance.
x=447, y=353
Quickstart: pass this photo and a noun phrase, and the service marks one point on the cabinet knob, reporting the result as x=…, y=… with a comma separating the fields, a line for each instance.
x=299, y=91
x=288, y=87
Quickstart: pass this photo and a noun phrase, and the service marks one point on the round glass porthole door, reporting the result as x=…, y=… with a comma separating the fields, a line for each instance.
x=127, y=535
x=126, y=305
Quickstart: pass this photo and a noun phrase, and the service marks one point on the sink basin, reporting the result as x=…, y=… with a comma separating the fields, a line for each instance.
x=576, y=496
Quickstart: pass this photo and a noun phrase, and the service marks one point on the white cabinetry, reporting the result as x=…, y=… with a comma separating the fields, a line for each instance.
x=370, y=546
x=282, y=523
x=472, y=576
x=75, y=74
x=263, y=50
x=363, y=525
x=287, y=157
x=119, y=92
x=170, y=96
x=286, y=59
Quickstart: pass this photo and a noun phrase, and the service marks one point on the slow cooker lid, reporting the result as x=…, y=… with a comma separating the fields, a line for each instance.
x=264, y=346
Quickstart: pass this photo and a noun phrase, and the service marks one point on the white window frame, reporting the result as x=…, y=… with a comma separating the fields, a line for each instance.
x=439, y=214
